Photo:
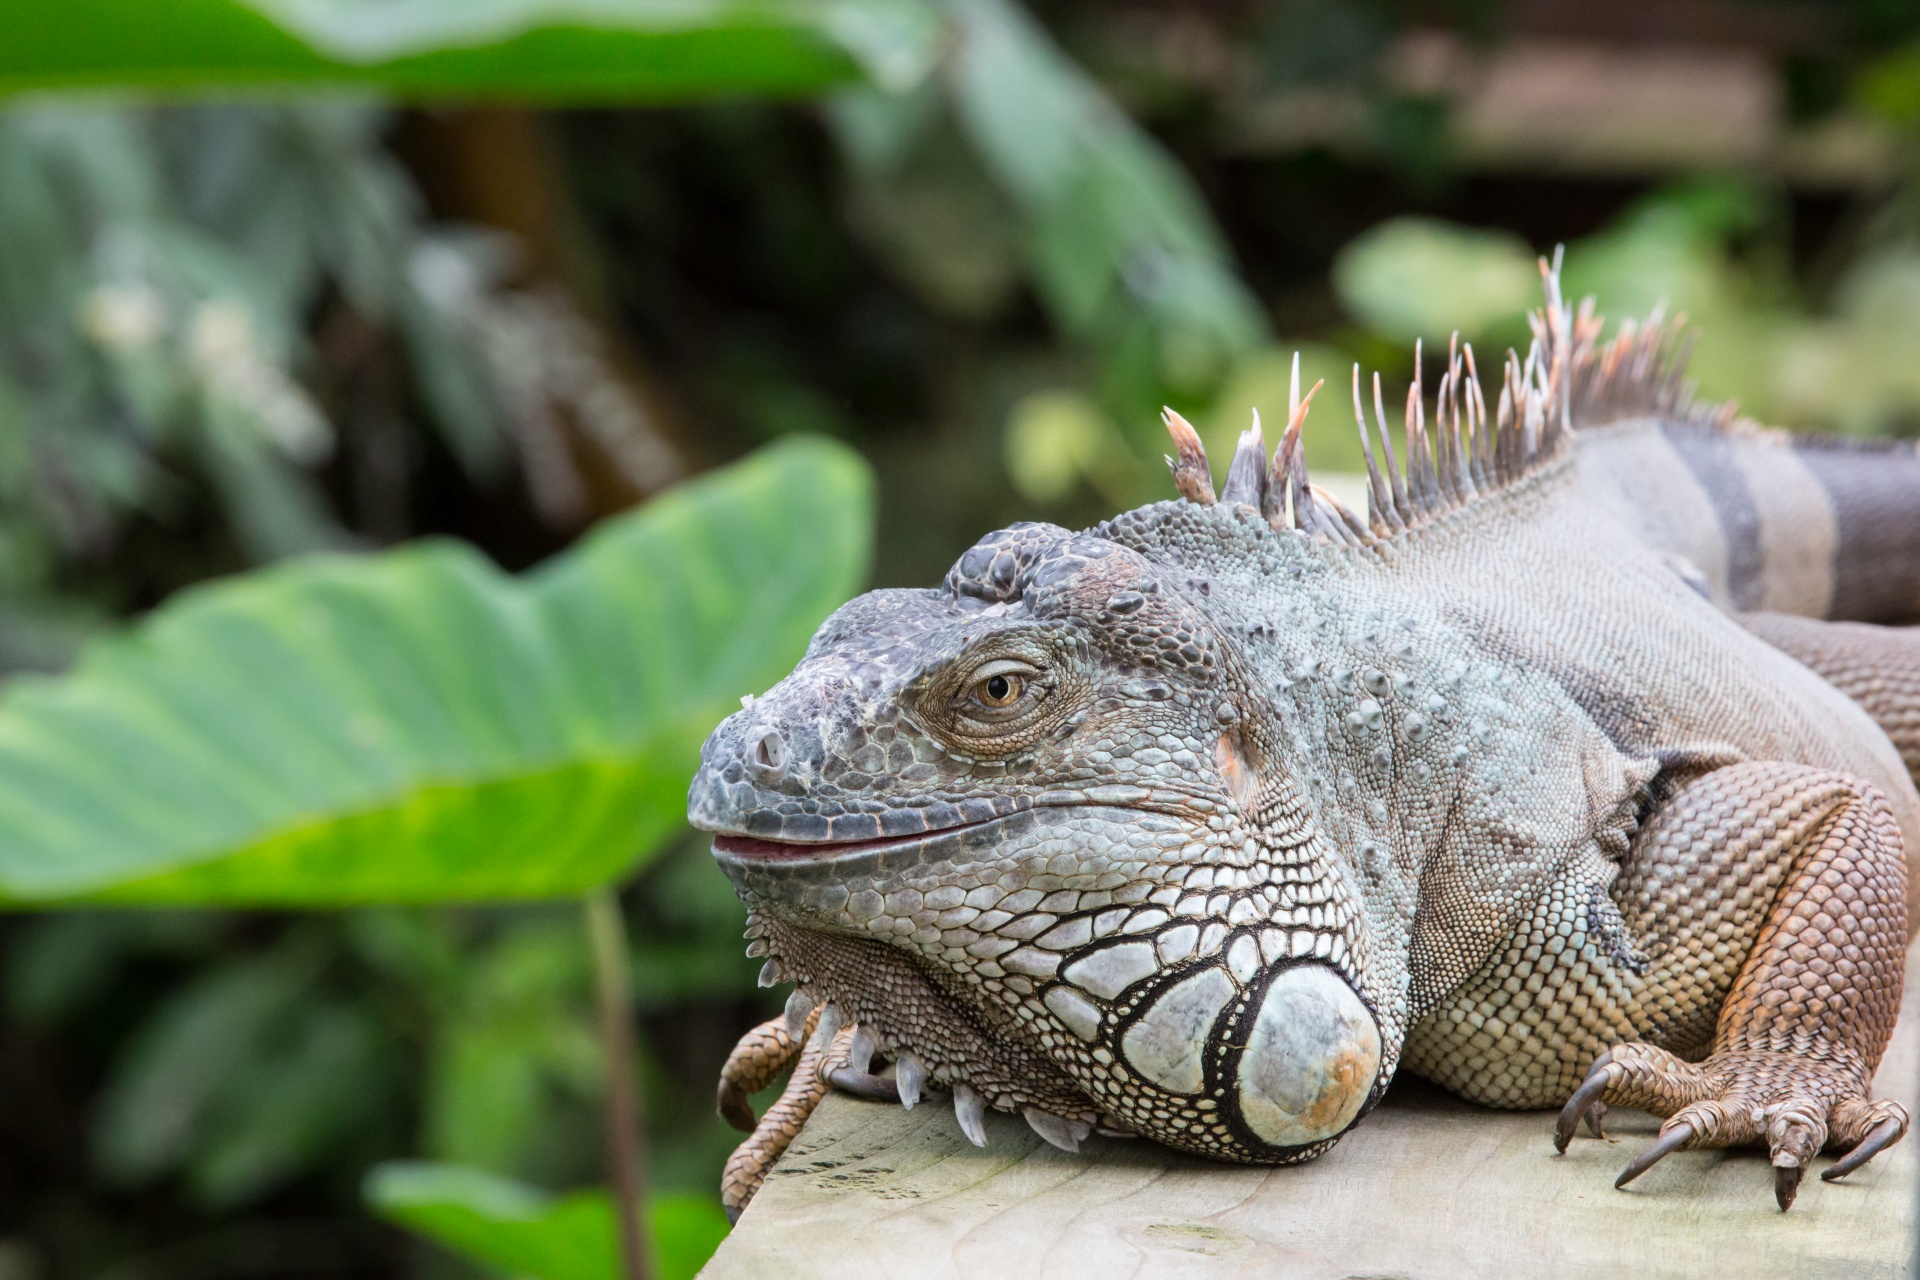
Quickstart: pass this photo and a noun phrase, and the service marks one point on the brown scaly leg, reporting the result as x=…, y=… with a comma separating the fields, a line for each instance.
x=756, y=1062
x=750, y=1162
x=767, y=1050
x=759, y=1057
x=1804, y=1026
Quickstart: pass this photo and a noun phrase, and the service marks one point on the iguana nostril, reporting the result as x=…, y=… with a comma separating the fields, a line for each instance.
x=767, y=753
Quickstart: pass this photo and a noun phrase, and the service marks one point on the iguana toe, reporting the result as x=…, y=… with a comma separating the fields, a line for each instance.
x=863, y=1084
x=1670, y=1140
x=1884, y=1134
x=1795, y=1104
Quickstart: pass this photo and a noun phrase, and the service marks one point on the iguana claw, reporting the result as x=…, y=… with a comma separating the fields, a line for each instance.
x=863, y=1084
x=1786, y=1184
x=1884, y=1134
x=1662, y=1147
x=1584, y=1102
x=731, y=1102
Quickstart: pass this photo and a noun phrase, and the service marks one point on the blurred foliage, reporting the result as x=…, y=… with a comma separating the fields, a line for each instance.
x=130, y=329
x=160, y=276
x=519, y=48
x=984, y=254
x=1111, y=233
x=417, y=727
x=517, y=1230
x=312, y=1052
x=1417, y=278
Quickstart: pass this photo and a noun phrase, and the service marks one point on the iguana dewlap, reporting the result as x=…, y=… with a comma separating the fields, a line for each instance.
x=1202, y=823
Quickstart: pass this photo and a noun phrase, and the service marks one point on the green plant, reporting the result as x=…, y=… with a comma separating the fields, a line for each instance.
x=194, y=305
x=519, y=1231
x=517, y=48
x=1108, y=228
x=407, y=727
x=414, y=726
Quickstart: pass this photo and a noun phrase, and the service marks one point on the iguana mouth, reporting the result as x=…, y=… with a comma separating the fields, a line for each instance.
x=753, y=849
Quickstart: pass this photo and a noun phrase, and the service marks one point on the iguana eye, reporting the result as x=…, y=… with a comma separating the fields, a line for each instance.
x=1000, y=691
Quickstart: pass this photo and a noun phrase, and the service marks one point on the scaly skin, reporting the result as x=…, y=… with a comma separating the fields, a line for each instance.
x=1811, y=526
x=1198, y=824
x=1878, y=667
x=756, y=1062
x=748, y=1166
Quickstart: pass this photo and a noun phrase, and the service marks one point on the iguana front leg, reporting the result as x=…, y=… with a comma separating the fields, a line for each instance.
x=1803, y=1027
x=762, y=1054
x=756, y=1062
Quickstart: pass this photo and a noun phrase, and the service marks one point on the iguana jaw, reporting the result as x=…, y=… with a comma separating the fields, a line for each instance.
x=729, y=846
x=910, y=1013
x=921, y=941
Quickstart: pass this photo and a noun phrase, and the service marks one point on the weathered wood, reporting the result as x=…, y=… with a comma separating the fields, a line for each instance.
x=1426, y=1187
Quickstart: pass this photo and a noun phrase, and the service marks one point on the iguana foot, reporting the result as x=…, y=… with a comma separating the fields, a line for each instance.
x=1796, y=1104
x=1798, y=1037
x=754, y=1063
x=823, y=1058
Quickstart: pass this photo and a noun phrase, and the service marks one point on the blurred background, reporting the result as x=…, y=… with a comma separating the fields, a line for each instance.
x=983, y=248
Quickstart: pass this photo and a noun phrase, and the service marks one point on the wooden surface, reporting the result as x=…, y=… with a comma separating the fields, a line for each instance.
x=1427, y=1186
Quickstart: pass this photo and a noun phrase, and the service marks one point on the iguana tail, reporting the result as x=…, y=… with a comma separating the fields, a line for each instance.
x=1818, y=527
x=1813, y=526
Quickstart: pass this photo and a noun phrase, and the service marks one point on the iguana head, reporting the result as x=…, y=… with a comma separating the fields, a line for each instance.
x=1042, y=833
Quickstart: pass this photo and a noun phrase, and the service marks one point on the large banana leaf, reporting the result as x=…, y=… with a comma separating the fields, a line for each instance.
x=629, y=50
x=417, y=726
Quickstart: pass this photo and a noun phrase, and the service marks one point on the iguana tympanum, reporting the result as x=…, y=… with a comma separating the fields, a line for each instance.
x=1203, y=822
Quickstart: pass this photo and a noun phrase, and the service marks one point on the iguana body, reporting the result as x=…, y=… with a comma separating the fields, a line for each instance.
x=1765, y=521
x=1201, y=823
x=1779, y=530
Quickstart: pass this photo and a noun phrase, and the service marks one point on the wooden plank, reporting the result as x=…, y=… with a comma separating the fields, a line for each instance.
x=1427, y=1186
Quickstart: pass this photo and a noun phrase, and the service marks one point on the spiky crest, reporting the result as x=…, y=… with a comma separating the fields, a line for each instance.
x=1566, y=381
x=1192, y=478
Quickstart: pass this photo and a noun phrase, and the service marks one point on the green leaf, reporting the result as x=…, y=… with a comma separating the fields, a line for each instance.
x=515, y=1230
x=582, y=50
x=1890, y=87
x=294, y=1105
x=417, y=726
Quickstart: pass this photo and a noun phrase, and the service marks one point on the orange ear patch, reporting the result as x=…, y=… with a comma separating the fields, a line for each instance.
x=1234, y=769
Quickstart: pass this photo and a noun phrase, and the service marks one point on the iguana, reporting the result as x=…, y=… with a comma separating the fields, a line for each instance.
x=1202, y=823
